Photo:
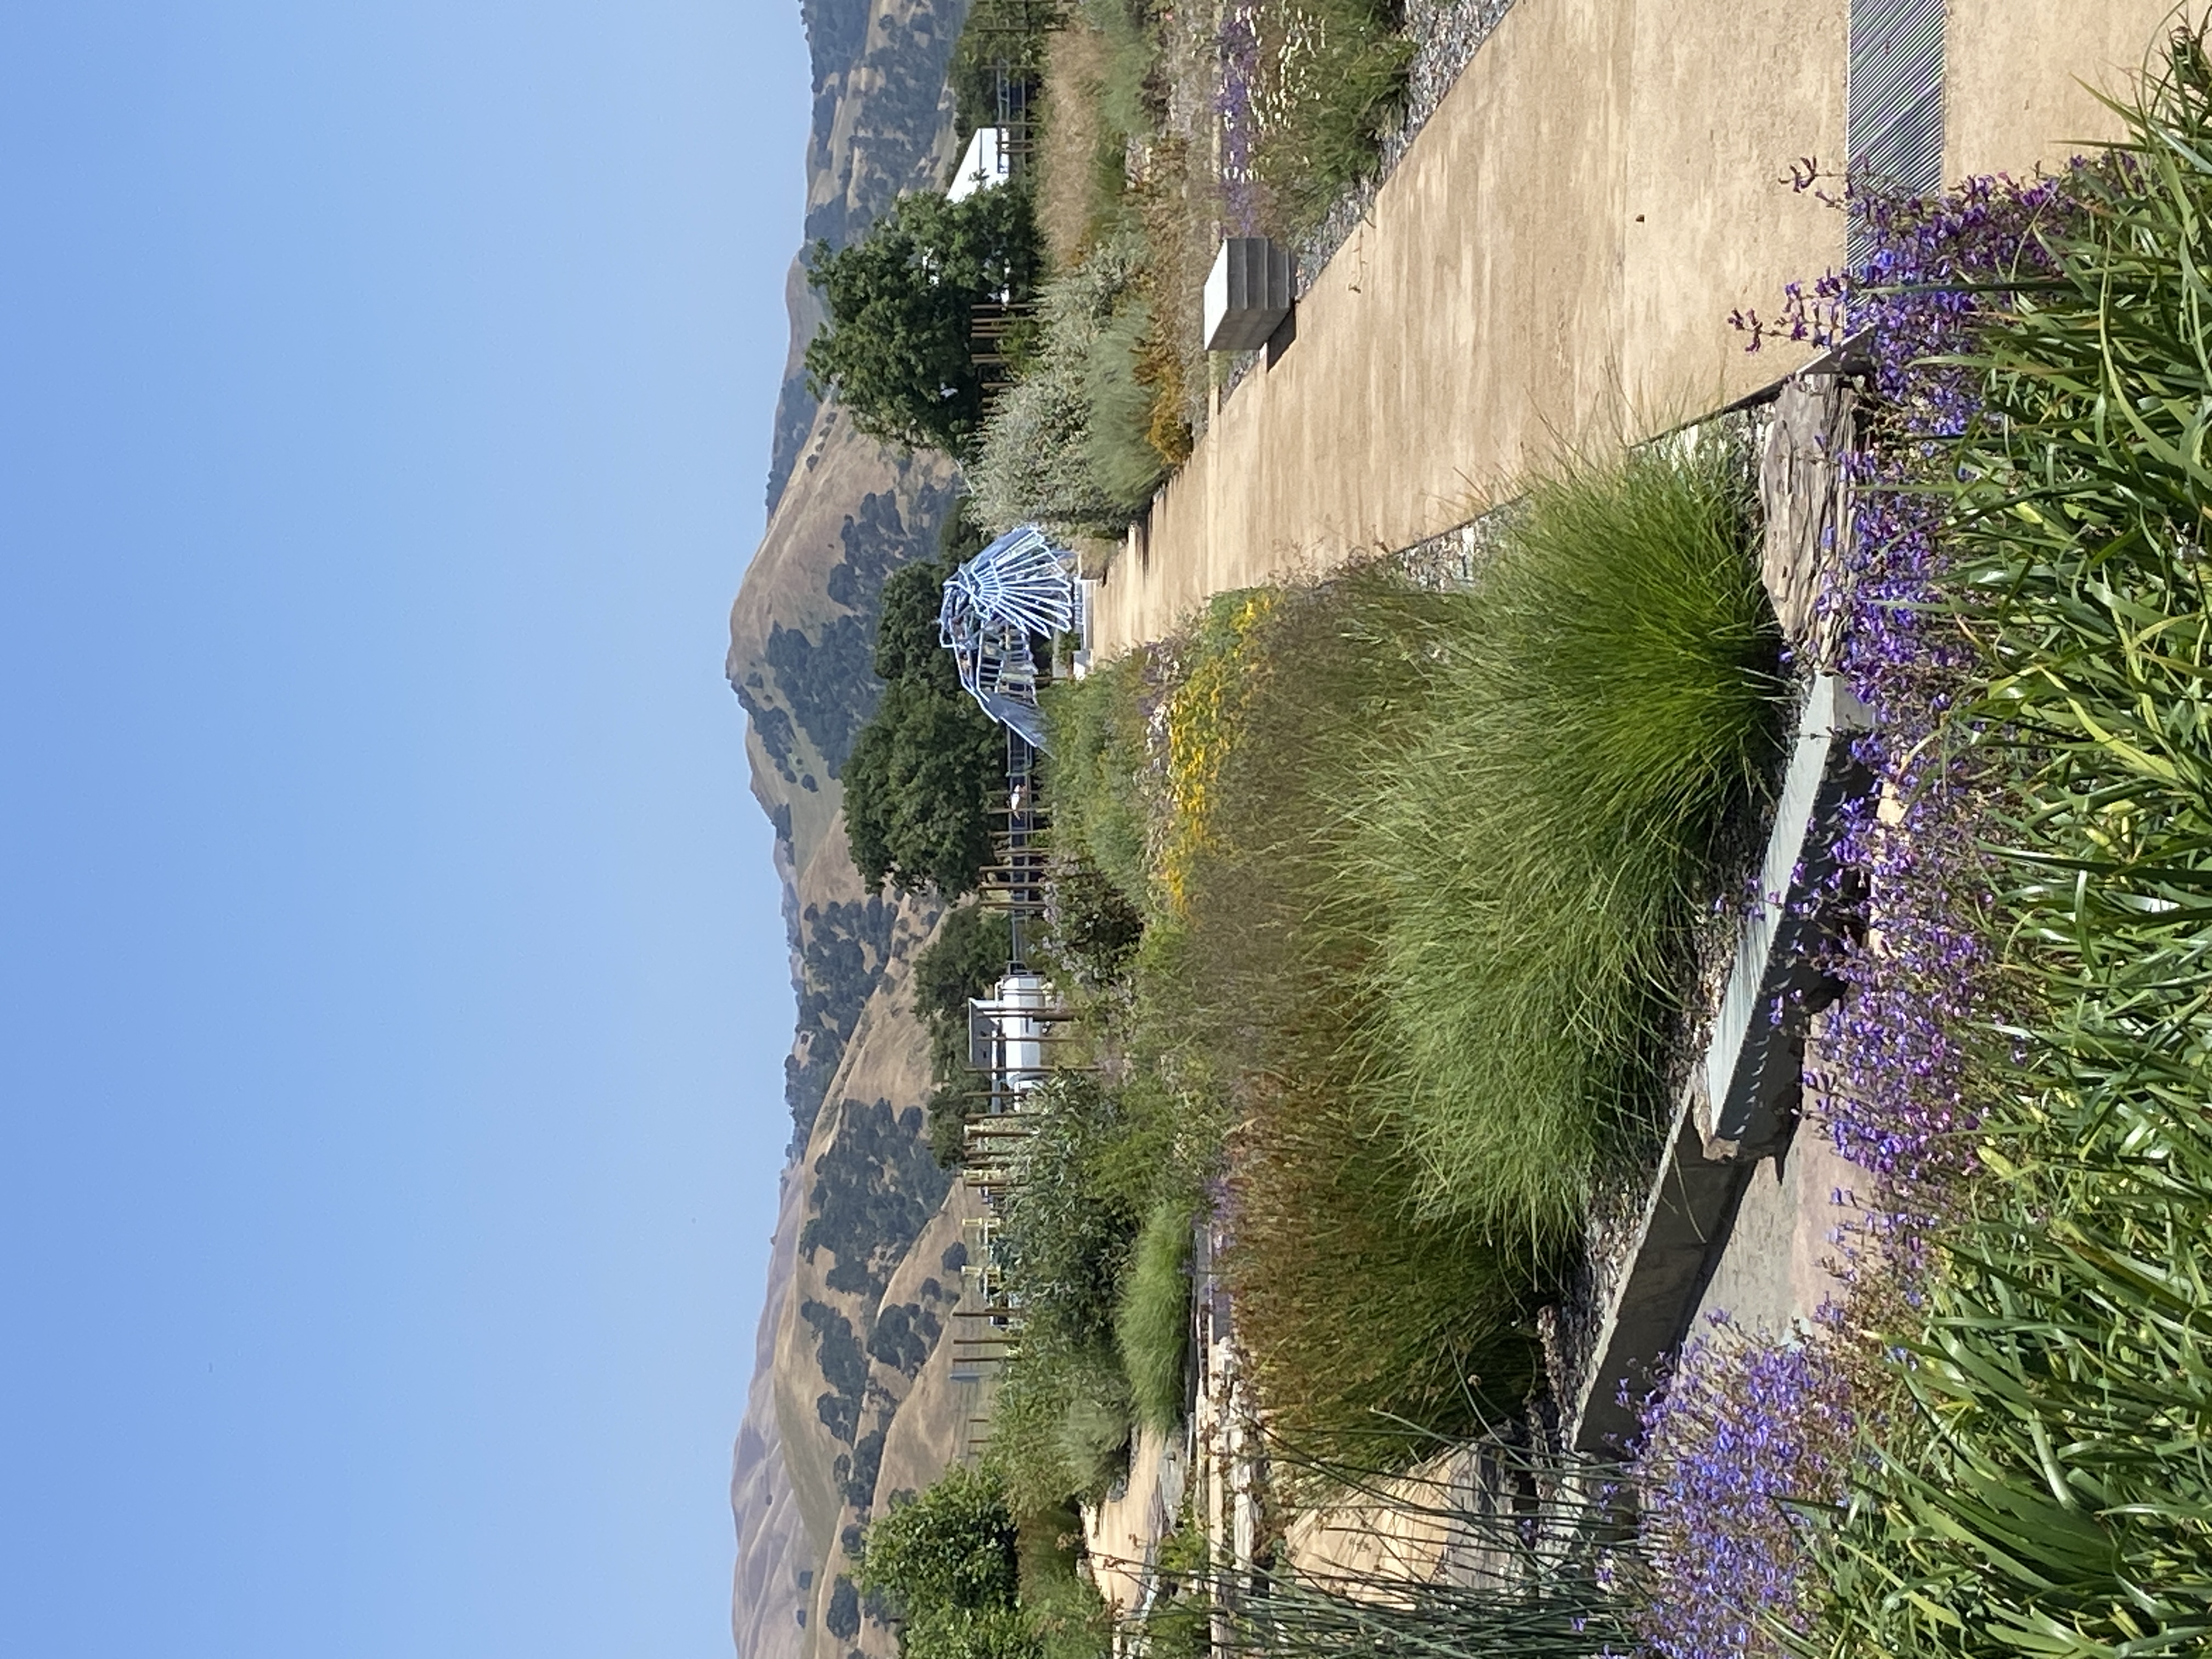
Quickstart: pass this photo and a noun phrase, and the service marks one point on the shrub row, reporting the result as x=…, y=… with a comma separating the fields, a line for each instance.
x=1422, y=870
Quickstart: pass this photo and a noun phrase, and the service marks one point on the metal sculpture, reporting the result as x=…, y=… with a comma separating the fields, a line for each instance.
x=1019, y=587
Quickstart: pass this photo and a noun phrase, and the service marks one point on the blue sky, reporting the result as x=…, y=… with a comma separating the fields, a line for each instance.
x=393, y=989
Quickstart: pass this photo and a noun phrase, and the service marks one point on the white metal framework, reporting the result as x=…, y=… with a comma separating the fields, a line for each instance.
x=1019, y=587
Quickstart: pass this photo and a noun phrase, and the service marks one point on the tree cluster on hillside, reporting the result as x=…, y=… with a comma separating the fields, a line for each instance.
x=927, y=767
x=844, y=947
x=874, y=1190
x=897, y=350
x=946, y=1563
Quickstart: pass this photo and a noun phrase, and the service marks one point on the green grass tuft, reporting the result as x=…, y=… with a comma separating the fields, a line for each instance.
x=1367, y=1324
x=1151, y=1324
x=1333, y=81
x=1067, y=1617
x=1598, y=712
x=1098, y=754
x=1122, y=460
x=1371, y=1329
x=1421, y=871
x=1059, y=1422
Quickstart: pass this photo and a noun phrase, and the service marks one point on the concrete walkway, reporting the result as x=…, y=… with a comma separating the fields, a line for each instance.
x=1554, y=263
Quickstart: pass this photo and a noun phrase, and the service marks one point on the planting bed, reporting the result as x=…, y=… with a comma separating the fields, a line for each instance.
x=1504, y=901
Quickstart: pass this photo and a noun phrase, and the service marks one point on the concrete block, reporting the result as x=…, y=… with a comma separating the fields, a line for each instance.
x=1247, y=294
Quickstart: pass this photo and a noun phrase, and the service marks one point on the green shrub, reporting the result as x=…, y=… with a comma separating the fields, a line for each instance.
x=1064, y=1608
x=2052, y=1493
x=965, y=959
x=894, y=350
x=969, y=1581
x=1067, y=1228
x=919, y=786
x=1094, y=1432
x=1179, y=1624
x=1597, y=714
x=999, y=38
x=1093, y=777
x=1061, y=1418
x=947, y=1111
x=962, y=1634
x=1097, y=1163
x=952, y=1547
x=926, y=768
x=1151, y=1322
x=1054, y=1436
x=1034, y=461
x=1023, y=1451
x=1095, y=929
x=1118, y=447
x=1332, y=80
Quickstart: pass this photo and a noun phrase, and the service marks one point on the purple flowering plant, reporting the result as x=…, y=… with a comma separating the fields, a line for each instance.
x=2024, y=1059
x=1748, y=1441
x=1751, y=1447
x=1240, y=121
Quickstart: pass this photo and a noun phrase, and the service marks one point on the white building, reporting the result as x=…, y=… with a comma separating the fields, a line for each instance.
x=989, y=161
x=1006, y=1035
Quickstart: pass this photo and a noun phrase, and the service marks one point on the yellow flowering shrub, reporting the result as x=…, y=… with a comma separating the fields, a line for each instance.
x=1197, y=725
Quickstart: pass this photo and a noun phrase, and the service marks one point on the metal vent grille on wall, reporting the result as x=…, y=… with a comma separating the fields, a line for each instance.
x=1894, y=119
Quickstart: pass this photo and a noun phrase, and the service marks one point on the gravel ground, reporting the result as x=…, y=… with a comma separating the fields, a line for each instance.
x=1446, y=35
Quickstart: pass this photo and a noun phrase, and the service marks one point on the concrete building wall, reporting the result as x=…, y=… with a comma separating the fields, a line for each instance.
x=1554, y=263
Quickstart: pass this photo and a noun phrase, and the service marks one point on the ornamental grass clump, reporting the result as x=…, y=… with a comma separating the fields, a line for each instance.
x=1328, y=81
x=1371, y=1330
x=1151, y=1320
x=1060, y=1420
x=1368, y=1327
x=1036, y=452
x=1596, y=715
x=1091, y=1251
x=1201, y=717
x=1096, y=772
x=1423, y=868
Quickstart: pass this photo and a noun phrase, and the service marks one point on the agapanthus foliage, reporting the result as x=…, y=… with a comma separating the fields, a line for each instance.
x=2027, y=1052
x=1753, y=1441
